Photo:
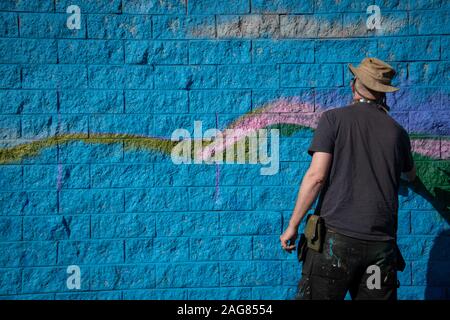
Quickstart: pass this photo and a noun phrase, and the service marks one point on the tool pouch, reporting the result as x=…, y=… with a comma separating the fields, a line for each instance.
x=314, y=232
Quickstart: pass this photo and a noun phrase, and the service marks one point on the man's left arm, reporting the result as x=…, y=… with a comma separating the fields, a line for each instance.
x=313, y=181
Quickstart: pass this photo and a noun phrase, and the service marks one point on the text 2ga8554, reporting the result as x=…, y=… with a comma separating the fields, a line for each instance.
x=249, y=309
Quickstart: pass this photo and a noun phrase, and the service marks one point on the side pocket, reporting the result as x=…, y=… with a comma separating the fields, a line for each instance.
x=308, y=262
x=304, y=285
x=301, y=248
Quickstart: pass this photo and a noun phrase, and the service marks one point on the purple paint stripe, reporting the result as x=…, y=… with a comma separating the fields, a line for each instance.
x=281, y=111
x=432, y=148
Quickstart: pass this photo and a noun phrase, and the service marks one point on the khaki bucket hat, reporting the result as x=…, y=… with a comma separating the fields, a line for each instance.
x=375, y=74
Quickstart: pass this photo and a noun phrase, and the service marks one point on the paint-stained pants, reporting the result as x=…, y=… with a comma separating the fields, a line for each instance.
x=366, y=269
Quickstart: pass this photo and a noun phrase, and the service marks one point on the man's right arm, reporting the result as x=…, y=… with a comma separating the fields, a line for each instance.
x=409, y=176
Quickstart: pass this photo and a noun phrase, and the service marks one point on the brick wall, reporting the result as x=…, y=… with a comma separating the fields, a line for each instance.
x=86, y=175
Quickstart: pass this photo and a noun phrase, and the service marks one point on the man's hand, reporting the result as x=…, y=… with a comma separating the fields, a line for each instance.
x=288, y=238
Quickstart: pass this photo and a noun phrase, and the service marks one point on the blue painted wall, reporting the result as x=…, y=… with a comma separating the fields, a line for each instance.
x=141, y=227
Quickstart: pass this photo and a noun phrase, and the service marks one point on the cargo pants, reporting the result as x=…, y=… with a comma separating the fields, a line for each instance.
x=366, y=269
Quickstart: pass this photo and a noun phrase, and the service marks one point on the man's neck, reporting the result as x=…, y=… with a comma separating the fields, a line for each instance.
x=360, y=99
x=357, y=99
x=357, y=96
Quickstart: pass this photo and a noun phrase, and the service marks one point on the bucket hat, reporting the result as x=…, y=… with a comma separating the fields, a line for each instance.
x=375, y=74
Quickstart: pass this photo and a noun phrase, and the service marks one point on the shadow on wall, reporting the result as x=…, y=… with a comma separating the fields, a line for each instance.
x=438, y=268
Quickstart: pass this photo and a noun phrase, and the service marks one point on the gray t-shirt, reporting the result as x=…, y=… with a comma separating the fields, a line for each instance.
x=370, y=150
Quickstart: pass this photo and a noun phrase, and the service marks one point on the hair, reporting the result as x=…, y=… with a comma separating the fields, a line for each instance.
x=364, y=92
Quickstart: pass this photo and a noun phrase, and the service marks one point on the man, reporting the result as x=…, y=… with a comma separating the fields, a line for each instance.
x=359, y=153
